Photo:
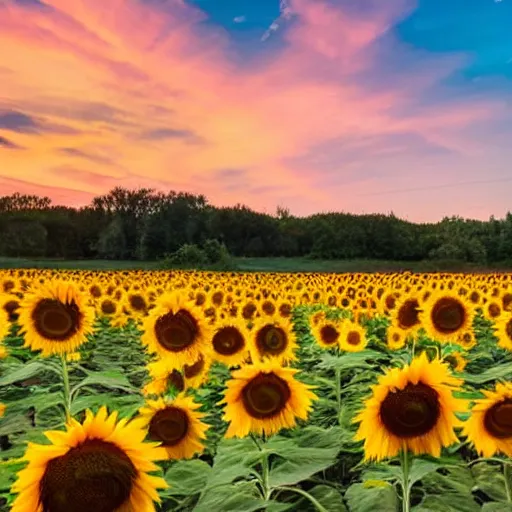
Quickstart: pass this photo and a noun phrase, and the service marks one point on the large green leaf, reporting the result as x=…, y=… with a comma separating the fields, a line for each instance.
x=241, y=497
x=23, y=373
x=372, y=498
x=297, y=462
x=490, y=480
x=107, y=379
x=349, y=361
x=450, y=492
x=326, y=495
x=496, y=372
x=187, y=477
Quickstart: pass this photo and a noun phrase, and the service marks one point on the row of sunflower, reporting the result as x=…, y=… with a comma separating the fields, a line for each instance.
x=190, y=320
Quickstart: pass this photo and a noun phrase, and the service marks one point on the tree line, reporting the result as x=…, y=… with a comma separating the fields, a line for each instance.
x=144, y=224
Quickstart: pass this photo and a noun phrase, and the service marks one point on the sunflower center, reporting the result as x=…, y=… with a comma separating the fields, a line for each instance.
x=228, y=341
x=265, y=396
x=410, y=412
x=448, y=315
x=329, y=334
x=508, y=329
x=11, y=307
x=452, y=361
x=55, y=320
x=95, y=475
x=95, y=291
x=408, y=314
x=285, y=310
x=137, y=302
x=271, y=340
x=108, y=307
x=498, y=419
x=176, y=332
x=268, y=307
x=354, y=338
x=175, y=380
x=192, y=370
x=169, y=426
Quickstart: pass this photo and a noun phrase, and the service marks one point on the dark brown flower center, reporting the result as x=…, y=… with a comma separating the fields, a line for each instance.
x=506, y=301
x=228, y=341
x=354, y=338
x=285, y=310
x=11, y=307
x=95, y=291
x=175, y=379
x=410, y=412
x=217, y=298
x=169, y=426
x=137, y=302
x=95, y=476
x=498, y=419
x=329, y=334
x=265, y=396
x=195, y=369
x=268, y=307
x=408, y=314
x=271, y=340
x=108, y=307
x=176, y=332
x=494, y=310
x=248, y=310
x=448, y=315
x=55, y=320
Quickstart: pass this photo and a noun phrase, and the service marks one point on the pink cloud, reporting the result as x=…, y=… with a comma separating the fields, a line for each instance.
x=96, y=68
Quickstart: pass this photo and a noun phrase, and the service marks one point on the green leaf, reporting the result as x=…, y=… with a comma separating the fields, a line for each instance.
x=108, y=379
x=243, y=496
x=298, y=462
x=349, y=361
x=187, y=477
x=420, y=468
x=450, y=492
x=367, y=498
x=494, y=373
x=326, y=495
x=490, y=480
x=23, y=373
x=14, y=423
x=494, y=506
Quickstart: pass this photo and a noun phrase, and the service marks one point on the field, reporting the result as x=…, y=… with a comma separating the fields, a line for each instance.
x=238, y=392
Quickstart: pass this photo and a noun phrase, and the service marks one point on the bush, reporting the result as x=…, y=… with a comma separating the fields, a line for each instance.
x=213, y=255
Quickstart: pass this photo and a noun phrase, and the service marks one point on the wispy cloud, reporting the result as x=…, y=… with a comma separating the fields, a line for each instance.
x=339, y=109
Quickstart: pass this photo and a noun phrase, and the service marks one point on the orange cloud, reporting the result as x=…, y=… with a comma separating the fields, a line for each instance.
x=150, y=99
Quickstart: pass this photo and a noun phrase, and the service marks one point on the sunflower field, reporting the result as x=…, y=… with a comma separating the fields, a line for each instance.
x=184, y=391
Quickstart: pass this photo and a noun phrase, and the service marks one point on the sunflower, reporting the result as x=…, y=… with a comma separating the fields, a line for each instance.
x=3, y=352
x=4, y=322
x=55, y=318
x=503, y=331
x=489, y=427
x=176, y=330
x=396, y=338
x=326, y=333
x=163, y=379
x=273, y=337
x=445, y=315
x=196, y=373
x=456, y=361
x=2, y=409
x=352, y=336
x=99, y=465
x=405, y=315
x=176, y=424
x=410, y=408
x=264, y=398
x=229, y=343
x=467, y=339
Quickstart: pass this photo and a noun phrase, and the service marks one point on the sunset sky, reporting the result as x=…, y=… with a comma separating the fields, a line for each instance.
x=321, y=105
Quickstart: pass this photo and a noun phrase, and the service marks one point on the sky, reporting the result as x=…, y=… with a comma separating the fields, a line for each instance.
x=361, y=106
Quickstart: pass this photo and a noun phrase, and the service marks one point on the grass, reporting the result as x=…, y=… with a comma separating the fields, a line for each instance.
x=267, y=265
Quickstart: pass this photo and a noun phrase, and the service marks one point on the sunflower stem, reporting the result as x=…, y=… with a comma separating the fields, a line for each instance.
x=406, y=488
x=506, y=475
x=66, y=388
